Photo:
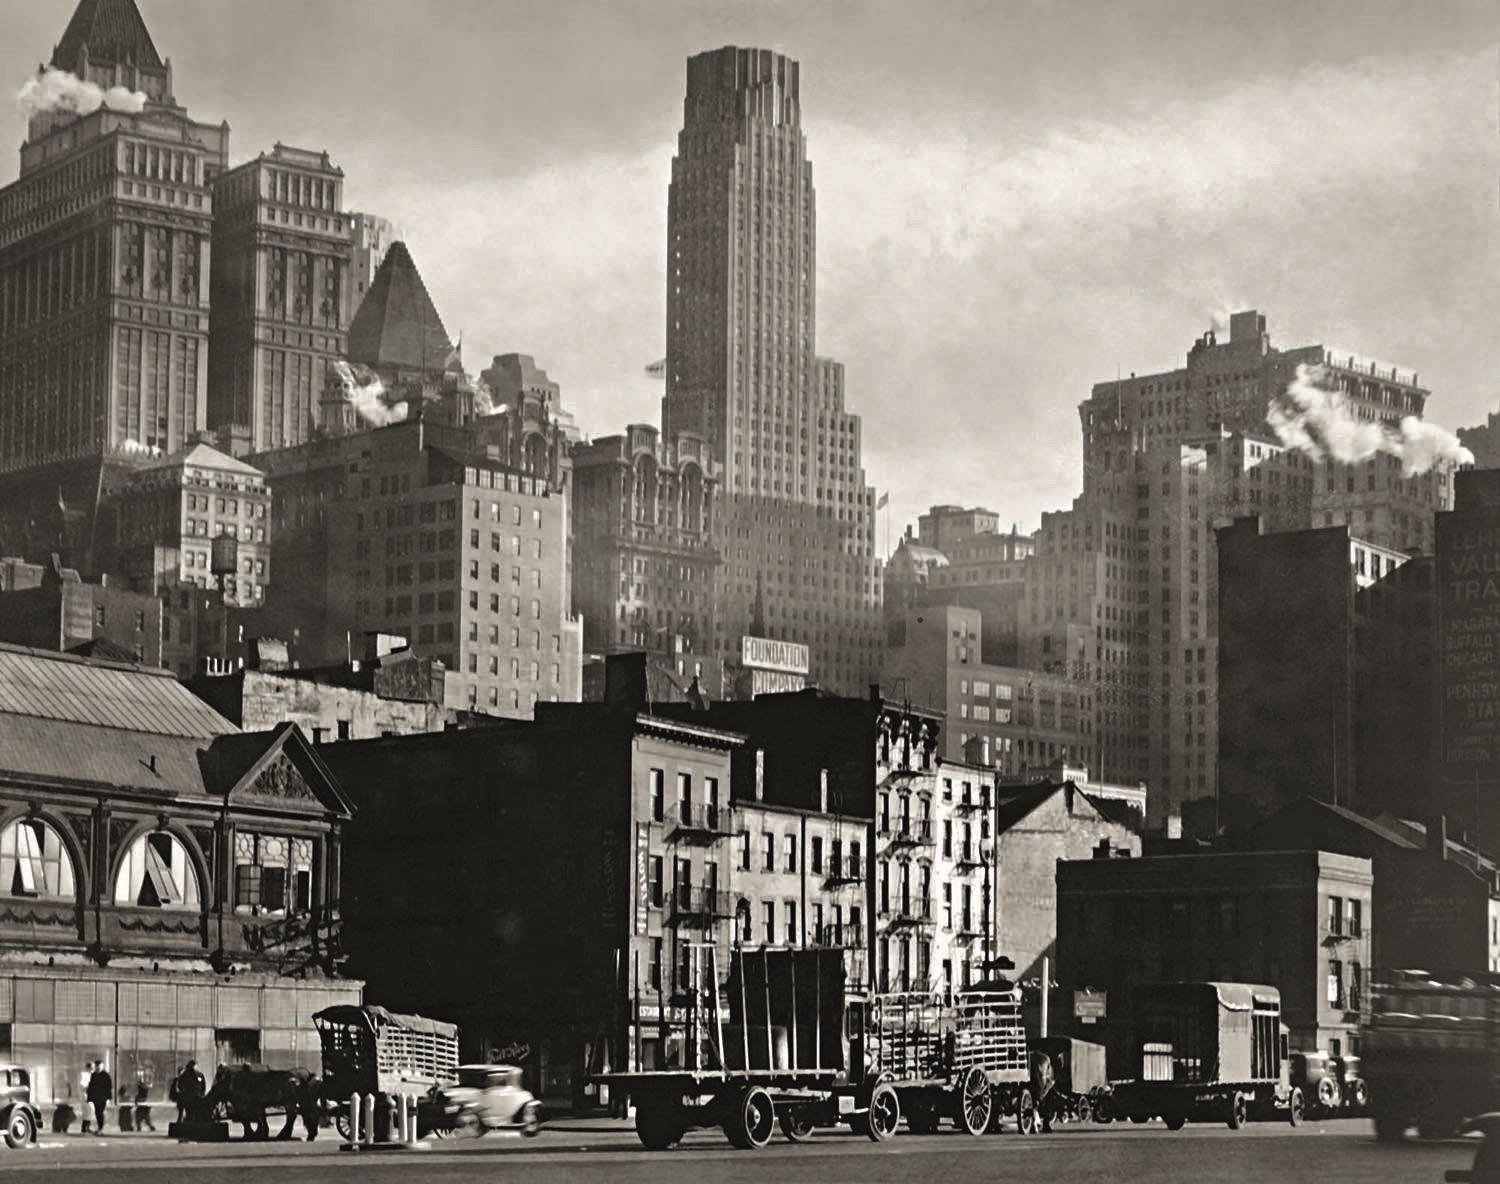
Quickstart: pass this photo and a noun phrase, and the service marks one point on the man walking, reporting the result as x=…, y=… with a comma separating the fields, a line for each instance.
x=101, y=1089
x=188, y=1089
x=142, y=1109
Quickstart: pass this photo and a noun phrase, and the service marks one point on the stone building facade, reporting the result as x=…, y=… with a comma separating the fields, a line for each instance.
x=171, y=885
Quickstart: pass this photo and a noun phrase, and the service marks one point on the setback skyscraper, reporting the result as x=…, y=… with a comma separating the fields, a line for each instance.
x=797, y=522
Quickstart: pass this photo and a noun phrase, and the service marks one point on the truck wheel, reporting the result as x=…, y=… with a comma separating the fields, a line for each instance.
x=796, y=1125
x=753, y=1119
x=1359, y=1094
x=657, y=1127
x=1175, y=1122
x=1294, y=1106
x=18, y=1128
x=879, y=1122
x=1236, y=1117
x=1026, y=1117
x=1328, y=1095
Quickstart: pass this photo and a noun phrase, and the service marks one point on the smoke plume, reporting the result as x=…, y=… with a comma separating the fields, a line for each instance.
x=1318, y=421
x=368, y=397
x=58, y=90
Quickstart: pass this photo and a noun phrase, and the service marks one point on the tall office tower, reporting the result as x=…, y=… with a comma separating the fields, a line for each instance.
x=1123, y=589
x=104, y=253
x=373, y=236
x=282, y=254
x=797, y=519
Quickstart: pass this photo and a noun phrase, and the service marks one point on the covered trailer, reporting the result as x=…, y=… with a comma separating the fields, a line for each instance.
x=1079, y=1075
x=1209, y=1052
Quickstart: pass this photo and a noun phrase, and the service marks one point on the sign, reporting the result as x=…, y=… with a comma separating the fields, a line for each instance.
x=1088, y=1006
x=1468, y=583
x=763, y=653
x=642, y=875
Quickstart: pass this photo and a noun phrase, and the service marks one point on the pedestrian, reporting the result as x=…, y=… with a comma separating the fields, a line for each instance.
x=101, y=1089
x=142, y=1110
x=188, y=1089
x=84, y=1079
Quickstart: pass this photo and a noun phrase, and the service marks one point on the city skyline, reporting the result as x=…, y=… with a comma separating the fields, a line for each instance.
x=995, y=310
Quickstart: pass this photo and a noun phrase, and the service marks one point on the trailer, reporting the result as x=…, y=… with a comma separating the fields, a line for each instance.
x=1432, y=1050
x=963, y=1058
x=1208, y=1052
x=369, y=1050
x=1080, y=1086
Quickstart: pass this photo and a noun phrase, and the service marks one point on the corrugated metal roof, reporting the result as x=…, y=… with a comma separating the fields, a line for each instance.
x=42, y=685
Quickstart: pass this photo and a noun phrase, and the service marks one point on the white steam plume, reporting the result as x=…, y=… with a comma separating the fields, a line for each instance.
x=368, y=397
x=1318, y=421
x=58, y=90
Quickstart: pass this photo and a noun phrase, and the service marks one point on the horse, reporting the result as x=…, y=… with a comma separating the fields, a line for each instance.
x=1043, y=1078
x=247, y=1092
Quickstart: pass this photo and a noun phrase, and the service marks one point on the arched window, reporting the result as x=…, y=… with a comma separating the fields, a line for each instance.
x=34, y=862
x=157, y=873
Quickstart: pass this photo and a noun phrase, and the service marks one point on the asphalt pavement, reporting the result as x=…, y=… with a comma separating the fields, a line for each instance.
x=604, y=1153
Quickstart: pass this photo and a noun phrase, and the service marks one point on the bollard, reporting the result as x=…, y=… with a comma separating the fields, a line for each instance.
x=354, y=1109
x=398, y=1134
x=411, y=1119
x=367, y=1120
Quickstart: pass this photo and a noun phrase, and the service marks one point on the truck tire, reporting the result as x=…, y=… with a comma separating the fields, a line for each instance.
x=1235, y=1119
x=752, y=1120
x=1328, y=1095
x=1294, y=1106
x=657, y=1126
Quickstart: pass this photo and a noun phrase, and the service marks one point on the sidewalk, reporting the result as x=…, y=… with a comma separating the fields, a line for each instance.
x=161, y=1115
x=587, y=1125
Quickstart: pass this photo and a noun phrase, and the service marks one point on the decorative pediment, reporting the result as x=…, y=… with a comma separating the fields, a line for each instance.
x=280, y=779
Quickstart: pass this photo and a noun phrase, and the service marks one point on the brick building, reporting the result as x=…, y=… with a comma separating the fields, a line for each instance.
x=49, y=607
x=171, y=884
x=1296, y=920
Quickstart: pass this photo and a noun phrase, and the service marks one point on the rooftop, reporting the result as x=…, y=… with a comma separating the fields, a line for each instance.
x=397, y=323
x=111, y=31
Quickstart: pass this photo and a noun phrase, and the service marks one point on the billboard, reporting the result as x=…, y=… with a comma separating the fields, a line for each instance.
x=764, y=653
x=1468, y=592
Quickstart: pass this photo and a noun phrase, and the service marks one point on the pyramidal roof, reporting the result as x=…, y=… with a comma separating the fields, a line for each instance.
x=397, y=324
x=111, y=30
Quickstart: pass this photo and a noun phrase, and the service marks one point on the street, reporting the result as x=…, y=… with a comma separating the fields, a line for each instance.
x=1273, y=1154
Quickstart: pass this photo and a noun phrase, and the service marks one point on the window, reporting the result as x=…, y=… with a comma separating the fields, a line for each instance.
x=947, y=838
x=745, y=851
x=789, y=850
x=272, y=873
x=157, y=873
x=658, y=795
x=1335, y=983
x=33, y=861
x=1354, y=917
x=768, y=912
x=817, y=855
x=791, y=923
x=654, y=881
x=685, y=798
x=1335, y=915
x=768, y=851
x=947, y=905
x=654, y=973
x=1356, y=985
x=856, y=864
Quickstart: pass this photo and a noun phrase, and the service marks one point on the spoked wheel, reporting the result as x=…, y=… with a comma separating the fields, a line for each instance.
x=345, y=1129
x=657, y=1127
x=1026, y=1116
x=753, y=1119
x=1295, y=1106
x=18, y=1128
x=796, y=1125
x=974, y=1101
x=1359, y=1094
x=884, y=1114
x=1236, y=1118
x=1328, y=1095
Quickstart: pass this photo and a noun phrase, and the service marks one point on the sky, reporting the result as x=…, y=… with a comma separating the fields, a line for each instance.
x=1015, y=200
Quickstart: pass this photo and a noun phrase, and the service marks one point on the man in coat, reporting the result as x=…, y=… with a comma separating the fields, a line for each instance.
x=101, y=1089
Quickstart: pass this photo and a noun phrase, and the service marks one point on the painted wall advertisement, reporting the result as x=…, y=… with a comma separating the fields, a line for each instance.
x=1468, y=550
x=642, y=875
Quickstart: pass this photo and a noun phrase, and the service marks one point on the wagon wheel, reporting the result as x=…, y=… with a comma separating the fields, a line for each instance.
x=1295, y=1106
x=974, y=1101
x=796, y=1125
x=752, y=1120
x=884, y=1114
x=344, y=1127
x=1236, y=1117
x=1026, y=1116
x=657, y=1127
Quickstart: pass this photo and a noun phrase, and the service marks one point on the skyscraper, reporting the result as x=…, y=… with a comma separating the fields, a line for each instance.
x=742, y=372
x=104, y=252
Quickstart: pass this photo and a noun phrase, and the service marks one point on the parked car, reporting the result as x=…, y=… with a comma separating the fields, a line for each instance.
x=22, y=1119
x=1318, y=1076
x=486, y=1098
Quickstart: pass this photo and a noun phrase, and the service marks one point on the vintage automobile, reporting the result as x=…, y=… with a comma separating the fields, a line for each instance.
x=22, y=1119
x=486, y=1098
x=1316, y=1074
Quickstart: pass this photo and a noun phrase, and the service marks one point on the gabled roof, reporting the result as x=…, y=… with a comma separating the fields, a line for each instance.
x=1013, y=806
x=237, y=766
x=111, y=31
x=397, y=323
x=204, y=456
